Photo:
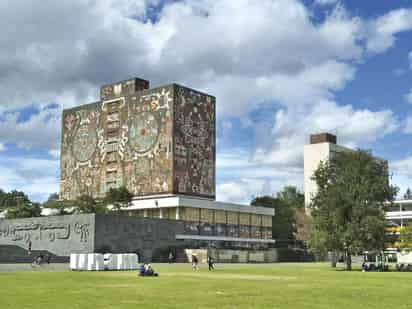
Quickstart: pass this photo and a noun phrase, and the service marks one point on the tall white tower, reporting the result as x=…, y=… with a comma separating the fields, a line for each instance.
x=321, y=148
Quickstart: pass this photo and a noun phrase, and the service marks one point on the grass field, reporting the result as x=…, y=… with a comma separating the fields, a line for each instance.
x=229, y=286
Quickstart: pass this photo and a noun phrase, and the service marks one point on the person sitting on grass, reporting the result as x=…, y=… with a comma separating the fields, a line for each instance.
x=142, y=269
x=38, y=260
x=146, y=270
x=150, y=271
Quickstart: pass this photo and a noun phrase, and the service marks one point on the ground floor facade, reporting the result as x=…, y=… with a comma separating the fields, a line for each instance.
x=151, y=232
x=203, y=217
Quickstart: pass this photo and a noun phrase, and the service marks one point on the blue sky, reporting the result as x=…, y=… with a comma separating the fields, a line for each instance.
x=280, y=70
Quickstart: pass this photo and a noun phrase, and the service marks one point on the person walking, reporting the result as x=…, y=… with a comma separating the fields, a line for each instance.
x=210, y=262
x=171, y=257
x=29, y=248
x=195, y=261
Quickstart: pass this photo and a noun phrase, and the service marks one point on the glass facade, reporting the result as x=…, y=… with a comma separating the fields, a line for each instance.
x=214, y=222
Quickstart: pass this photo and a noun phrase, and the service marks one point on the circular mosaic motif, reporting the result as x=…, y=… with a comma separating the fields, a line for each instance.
x=84, y=143
x=143, y=131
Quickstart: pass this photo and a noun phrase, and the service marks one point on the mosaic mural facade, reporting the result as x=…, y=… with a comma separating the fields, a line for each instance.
x=194, y=142
x=151, y=141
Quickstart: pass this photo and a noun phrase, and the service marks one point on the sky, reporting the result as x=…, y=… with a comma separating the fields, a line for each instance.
x=279, y=69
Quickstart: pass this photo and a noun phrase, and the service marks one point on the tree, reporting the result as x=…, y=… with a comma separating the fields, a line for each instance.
x=18, y=205
x=408, y=194
x=24, y=210
x=304, y=228
x=13, y=198
x=291, y=196
x=405, y=238
x=287, y=204
x=283, y=223
x=3, y=196
x=348, y=208
x=53, y=197
x=87, y=204
x=118, y=197
x=63, y=207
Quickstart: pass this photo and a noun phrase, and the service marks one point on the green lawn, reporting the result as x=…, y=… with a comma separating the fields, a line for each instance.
x=229, y=286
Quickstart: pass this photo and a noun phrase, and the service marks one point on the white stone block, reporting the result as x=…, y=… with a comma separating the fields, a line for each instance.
x=91, y=261
x=120, y=262
x=108, y=261
x=113, y=262
x=99, y=265
x=74, y=261
x=133, y=261
x=128, y=261
x=82, y=263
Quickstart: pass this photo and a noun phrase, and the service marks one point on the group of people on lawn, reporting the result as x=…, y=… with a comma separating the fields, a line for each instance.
x=146, y=270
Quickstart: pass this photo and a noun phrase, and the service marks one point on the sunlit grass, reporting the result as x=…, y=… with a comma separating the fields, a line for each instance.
x=229, y=286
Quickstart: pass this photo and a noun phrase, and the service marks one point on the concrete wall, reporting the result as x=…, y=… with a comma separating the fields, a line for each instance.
x=88, y=233
x=150, y=238
x=59, y=235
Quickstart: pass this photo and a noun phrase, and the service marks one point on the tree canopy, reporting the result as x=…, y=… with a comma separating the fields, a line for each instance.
x=408, y=194
x=118, y=197
x=24, y=210
x=287, y=204
x=18, y=205
x=405, y=238
x=12, y=199
x=348, y=209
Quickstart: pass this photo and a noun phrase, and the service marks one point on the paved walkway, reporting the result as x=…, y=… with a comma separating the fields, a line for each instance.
x=29, y=267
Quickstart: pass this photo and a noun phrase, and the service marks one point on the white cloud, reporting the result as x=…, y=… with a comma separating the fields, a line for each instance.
x=41, y=130
x=402, y=174
x=243, y=179
x=353, y=128
x=408, y=96
x=403, y=166
x=325, y=2
x=36, y=177
x=408, y=125
x=399, y=72
x=277, y=38
x=381, y=31
x=2, y=147
x=410, y=59
x=247, y=53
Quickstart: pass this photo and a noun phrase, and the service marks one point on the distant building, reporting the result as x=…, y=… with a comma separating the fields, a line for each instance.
x=398, y=215
x=322, y=147
x=152, y=141
x=160, y=144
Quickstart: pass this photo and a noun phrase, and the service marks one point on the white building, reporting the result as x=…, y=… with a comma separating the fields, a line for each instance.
x=321, y=148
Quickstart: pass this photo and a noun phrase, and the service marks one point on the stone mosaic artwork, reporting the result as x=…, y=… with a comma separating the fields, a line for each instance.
x=152, y=141
x=194, y=136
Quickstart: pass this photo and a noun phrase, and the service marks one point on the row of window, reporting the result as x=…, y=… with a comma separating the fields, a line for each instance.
x=210, y=216
x=227, y=230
